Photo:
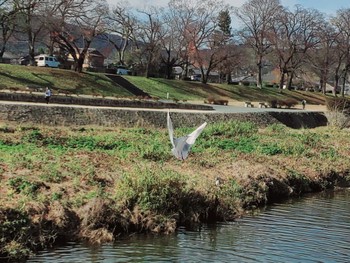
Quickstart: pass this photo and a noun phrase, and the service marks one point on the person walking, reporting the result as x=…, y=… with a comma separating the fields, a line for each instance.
x=48, y=94
x=303, y=103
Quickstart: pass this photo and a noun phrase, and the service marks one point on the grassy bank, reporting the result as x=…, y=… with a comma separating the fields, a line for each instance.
x=92, y=183
x=66, y=81
x=27, y=78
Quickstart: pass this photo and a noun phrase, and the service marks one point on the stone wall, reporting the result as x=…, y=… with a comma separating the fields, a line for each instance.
x=81, y=116
x=99, y=101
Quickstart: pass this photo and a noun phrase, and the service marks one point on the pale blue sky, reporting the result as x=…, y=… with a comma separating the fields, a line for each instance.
x=326, y=6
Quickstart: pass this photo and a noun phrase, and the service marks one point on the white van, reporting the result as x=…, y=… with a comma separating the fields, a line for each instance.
x=46, y=61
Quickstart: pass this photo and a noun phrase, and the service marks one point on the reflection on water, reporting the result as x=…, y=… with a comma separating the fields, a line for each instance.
x=312, y=229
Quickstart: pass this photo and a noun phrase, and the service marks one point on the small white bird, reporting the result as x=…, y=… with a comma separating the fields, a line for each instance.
x=218, y=181
x=182, y=145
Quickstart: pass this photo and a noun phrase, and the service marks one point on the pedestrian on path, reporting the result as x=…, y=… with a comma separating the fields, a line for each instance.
x=48, y=94
x=303, y=103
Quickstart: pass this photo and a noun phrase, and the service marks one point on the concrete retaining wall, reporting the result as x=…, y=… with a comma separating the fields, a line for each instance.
x=106, y=102
x=80, y=116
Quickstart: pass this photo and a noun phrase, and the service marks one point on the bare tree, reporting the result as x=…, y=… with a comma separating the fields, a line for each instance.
x=180, y=17
x=149, y=33
x=197, y=23
x=294, y=35
x=76, y=24
x=170, y=41
x=234, y=60
x=31, y=21
x=8, y=16
x=342, y=24
x=324, y=57
x=257, y=17
x=122, y=23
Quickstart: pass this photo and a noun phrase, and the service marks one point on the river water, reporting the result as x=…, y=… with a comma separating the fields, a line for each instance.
x=315, y=228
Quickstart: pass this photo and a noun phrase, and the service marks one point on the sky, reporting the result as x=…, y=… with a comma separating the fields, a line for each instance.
x=325, y=6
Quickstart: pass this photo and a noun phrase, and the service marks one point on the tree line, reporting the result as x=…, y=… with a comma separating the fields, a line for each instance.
x=196, y=33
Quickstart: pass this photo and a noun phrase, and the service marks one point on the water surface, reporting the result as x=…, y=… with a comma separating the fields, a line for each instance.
x=312, y=229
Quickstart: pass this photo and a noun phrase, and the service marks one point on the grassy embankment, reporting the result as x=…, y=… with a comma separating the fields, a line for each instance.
x=92, y=183
x=67, y=81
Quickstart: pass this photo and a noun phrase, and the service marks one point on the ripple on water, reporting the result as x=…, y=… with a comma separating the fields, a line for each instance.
x=312, y=229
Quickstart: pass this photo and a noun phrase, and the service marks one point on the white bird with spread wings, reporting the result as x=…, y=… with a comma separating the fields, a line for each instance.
x=182, y=145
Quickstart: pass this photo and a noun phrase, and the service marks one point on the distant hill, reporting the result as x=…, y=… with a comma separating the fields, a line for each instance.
x=18, y=45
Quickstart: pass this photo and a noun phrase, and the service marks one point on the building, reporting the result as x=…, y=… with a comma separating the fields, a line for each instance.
x=93, y=59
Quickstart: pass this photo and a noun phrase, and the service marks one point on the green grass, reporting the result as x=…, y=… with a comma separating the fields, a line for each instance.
x=192, y=90
x=24, y=78
x=127, y=178
x=251, y=93
x=31, y=78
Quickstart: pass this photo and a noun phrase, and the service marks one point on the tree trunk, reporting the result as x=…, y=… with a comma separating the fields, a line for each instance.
x=336, y=81
x=290, y=80
x=79, y=64
x=31, y=53
x=259, y=76
x=169, y=67
x=280, y=87
x=2, y=51
x=148, y=67
x=185, y=71
x=337, y=75
x=321, y=84
x=342, y=92
x=228, y=78
x=204, y=77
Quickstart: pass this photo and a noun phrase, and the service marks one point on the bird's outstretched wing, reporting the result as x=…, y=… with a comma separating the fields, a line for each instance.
x=170, y=129
x=191, y=138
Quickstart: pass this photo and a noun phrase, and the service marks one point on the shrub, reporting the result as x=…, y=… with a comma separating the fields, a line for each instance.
x=155, y=152
x=232, y=135
x=20, y=185
x=272, y=103
x=337, y=119
x=33, y=136
x=155, y=190
x=277, y=127
x=338, y=105
x=229, y=129
x=272, y=149
x=299, y=183
x=288, y=103
x=14, y=233
x=230, y=195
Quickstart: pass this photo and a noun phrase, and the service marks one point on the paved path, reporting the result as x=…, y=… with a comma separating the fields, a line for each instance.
x=242, y=109
x=233, y=107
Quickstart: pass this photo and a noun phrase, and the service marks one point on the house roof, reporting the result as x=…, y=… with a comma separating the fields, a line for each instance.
x=197, y=71
x=93, y=52
x=10, y=55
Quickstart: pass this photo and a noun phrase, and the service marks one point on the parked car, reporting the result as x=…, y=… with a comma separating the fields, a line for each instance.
x=196, y=77
x=121, y=70
x=46, y=61
x=24, y=60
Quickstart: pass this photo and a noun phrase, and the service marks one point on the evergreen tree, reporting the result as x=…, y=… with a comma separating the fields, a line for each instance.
x=225, y=22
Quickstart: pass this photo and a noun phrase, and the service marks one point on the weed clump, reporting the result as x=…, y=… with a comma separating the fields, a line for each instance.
x=14, y=230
